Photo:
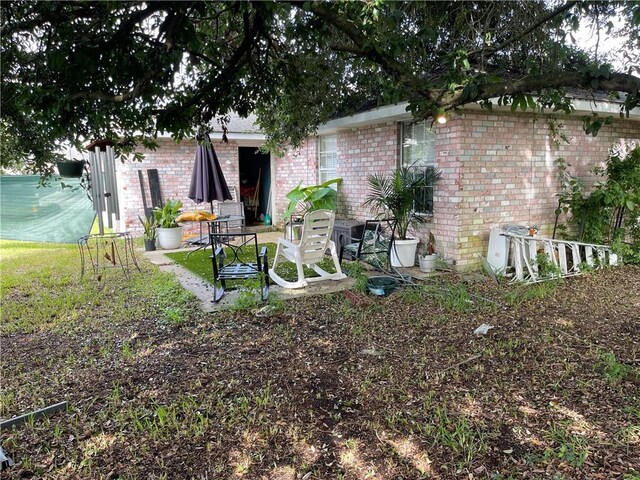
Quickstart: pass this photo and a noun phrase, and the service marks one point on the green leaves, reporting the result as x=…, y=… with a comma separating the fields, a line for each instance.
x=615, y=202
x=393, y=195
x=591, y=124
x=314, y=197
x=166, y=216
x=77, y=71
x=521, y=101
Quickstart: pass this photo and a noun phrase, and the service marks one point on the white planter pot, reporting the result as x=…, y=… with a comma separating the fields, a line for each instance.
x=427, y=263
x=403, y=252
x=169, y=238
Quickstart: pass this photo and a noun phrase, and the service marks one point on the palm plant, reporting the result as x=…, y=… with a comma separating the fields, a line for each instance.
x=395, y=194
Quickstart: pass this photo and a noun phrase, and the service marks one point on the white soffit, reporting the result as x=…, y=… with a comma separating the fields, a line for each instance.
x=581, y=106
x=248, y=139
x=604, y=107
x=388, y=113
x=242, y=139
x=397, y=113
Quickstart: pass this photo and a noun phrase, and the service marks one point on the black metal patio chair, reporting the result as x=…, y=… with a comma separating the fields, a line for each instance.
x=227, y=252
x=374, y=247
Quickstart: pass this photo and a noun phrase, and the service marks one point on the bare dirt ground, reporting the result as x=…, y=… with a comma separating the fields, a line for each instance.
x=344, y=386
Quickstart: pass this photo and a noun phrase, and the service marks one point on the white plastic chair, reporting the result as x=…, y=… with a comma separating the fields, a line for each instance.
x=315, y=239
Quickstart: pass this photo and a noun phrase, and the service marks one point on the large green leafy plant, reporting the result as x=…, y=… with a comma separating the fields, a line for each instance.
x=617, y=197
x=314, y=197
x=394, y=194
x=166, y=216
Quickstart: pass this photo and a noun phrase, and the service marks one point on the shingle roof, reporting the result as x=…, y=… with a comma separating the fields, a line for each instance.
x=238, y=124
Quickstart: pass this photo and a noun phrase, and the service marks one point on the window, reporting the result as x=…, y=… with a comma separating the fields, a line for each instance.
x=418, y=153
x=328, y=158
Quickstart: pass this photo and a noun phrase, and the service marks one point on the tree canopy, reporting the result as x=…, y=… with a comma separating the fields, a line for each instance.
x=73, y=71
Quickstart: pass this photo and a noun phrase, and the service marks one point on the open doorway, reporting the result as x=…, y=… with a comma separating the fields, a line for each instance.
x=255, y=183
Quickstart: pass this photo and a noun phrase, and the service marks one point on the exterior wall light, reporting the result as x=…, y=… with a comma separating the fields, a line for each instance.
x=441, y=118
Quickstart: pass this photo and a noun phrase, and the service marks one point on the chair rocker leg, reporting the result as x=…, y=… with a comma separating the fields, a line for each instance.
x=218, y=291
x=324, y=275
x=301, y=283
x=339, y=275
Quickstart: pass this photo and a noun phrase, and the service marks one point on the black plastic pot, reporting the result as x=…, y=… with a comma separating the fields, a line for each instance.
x=150, y=245
x=70, y=169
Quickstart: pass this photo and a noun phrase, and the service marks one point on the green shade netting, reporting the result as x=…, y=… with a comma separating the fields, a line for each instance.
x=45, y=214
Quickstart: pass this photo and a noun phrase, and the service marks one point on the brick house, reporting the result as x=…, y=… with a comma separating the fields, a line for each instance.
x=240, y=159
x=498, y=167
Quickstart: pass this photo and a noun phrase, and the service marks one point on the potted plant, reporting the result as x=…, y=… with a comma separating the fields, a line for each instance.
x=427, y=255
x=307, y=199
x=394, y=195
x=169, y=231
x=314, y=197
x=72, y=168
x=150, y=232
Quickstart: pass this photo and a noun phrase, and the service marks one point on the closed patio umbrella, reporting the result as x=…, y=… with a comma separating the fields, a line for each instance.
x=207, y=180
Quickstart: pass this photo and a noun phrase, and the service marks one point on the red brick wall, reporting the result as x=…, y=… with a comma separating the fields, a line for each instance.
x=296, y=166
x=497, y=168
x=446, y=216
x=508, y=174
x=175, y=164
x=361, y=152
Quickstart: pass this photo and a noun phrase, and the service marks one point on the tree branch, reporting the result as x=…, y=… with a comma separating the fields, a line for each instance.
x=232, y=65
x=491, y=50
x=617, y=82
x=399, y=71
x=136, y=17
x=346, y=49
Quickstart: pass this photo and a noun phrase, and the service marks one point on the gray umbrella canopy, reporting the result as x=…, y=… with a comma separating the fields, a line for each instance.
x=207, y=180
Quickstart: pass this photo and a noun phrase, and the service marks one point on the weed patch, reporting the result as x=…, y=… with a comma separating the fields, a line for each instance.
x=534, y=291
x=566, y=446
x=614, y=371
x=456, y=434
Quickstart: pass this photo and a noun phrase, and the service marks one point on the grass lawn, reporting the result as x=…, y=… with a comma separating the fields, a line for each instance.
x=342, y=386
x=199, y=262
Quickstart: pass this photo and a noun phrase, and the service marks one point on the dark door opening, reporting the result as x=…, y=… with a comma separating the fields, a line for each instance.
x=255, y=183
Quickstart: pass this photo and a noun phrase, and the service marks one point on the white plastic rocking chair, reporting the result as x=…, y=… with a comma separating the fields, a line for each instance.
x=315, y=239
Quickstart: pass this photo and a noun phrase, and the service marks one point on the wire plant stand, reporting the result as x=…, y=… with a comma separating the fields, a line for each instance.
x=105, y=251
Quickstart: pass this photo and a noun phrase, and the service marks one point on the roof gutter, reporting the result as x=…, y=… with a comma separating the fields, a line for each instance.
x=398, y=113
x=249, y=139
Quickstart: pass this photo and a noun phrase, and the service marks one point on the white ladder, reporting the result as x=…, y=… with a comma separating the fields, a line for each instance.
x=567, y=256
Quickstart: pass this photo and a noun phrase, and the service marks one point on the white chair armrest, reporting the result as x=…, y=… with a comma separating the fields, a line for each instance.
x=288, y=243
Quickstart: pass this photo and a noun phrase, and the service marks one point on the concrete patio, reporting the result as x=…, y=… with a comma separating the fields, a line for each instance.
x=203, y=290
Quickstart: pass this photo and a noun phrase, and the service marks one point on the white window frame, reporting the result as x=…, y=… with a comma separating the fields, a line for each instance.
x=327, y=153
x=418, y=135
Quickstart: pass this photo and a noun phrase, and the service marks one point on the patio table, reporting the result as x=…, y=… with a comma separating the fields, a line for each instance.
x=219, y=224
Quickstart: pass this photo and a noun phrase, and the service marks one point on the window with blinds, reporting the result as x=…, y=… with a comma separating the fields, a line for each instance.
x=328, y=158
x=418, y=153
